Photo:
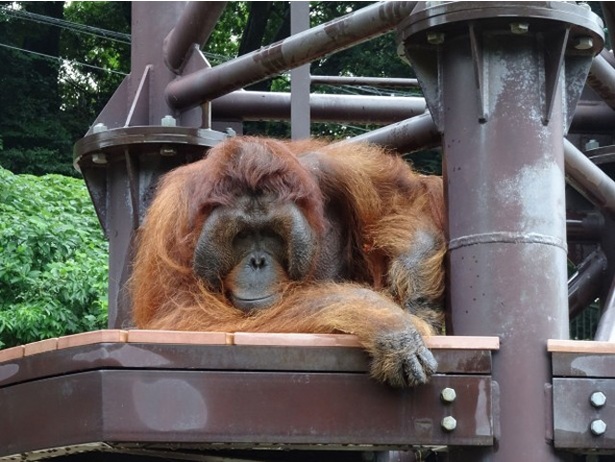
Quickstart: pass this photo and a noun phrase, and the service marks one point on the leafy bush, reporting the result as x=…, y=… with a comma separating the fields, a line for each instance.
x=53, y=259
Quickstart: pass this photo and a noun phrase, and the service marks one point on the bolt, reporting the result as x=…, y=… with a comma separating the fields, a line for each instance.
x=598, y=427
x=435, y=38
x=592, y=144
x=99, y=127
x=598, y=399
x=168, y=121
x=449, y=423
x=99, y=158
x=519, y=28
x=448, y=395
x=584, y=43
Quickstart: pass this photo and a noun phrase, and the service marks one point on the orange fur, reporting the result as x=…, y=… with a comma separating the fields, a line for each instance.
x=384, y=204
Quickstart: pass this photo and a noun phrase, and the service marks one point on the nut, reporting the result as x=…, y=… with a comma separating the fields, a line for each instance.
x=597, y=399
x=584, y=43
x=448, y=395
x=598, y=427
x=168, y=121
x=592, y=144
x=99, y=127
x=449, y=423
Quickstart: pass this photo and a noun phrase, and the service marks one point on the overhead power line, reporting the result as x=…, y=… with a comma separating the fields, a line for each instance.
x=60, y=59
x=83, y=28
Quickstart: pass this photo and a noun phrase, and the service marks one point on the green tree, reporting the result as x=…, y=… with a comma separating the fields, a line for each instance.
x=53, y=259
x=46, y=102
x=34, y=138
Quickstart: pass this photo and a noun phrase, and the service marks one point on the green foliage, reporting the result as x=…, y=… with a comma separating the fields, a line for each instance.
x=86, y=90
x=53, y=259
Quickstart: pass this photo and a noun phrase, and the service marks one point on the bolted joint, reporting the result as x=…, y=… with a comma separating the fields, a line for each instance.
x=449, y=423
x=598, y=427
x=448, y=395
x=597, y=399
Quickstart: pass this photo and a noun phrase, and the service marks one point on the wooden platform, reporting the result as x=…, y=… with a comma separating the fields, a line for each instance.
x=181, y=395
x=172, y=393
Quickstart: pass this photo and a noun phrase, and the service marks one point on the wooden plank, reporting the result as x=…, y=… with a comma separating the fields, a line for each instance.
x=13, y=353
x=42, y=346
x=178, y=337
x=89, y=338
x=271, y=339
x=435, y=342
x=580, y=346
x=458, y=342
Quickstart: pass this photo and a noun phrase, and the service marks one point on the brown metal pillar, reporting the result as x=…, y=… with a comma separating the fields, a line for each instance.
x=501, y=80
x=300, y=77
x=137, y=138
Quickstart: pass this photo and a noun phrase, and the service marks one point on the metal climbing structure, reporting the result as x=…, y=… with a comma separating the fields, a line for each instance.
x=520, y=95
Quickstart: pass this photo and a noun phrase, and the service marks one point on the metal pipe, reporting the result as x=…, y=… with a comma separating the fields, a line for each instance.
x=608, y=15
x=584, y=286
x=254, y=105
x=300, y=77
x=368, y=81
x=593, y=117
x=339, y=34
x=601, y=78
x=588, y=179
x=504, y=177
x=409, y=135
x=588, y=228
x=195, y=25
x=606, y=325
x=589, y=117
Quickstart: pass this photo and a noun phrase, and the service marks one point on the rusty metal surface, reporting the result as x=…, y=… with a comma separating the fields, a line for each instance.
x=121, y=167
x=388, y=82
x=208, y=357
x=606, y=327
x=336, y=35
x=588, y=179
x=194, y=26
x=255, y=105
x=409, y=135
x=585, y=285
x=575, y=416
x=593, y=117
x=157, y=140
x=601, y=78
x=479, y=64
x=258, y=409
x=300, y=77
x=584, y=365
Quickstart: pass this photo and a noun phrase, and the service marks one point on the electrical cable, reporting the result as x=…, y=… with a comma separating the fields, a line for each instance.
x=49, y=20
x=58, y=58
